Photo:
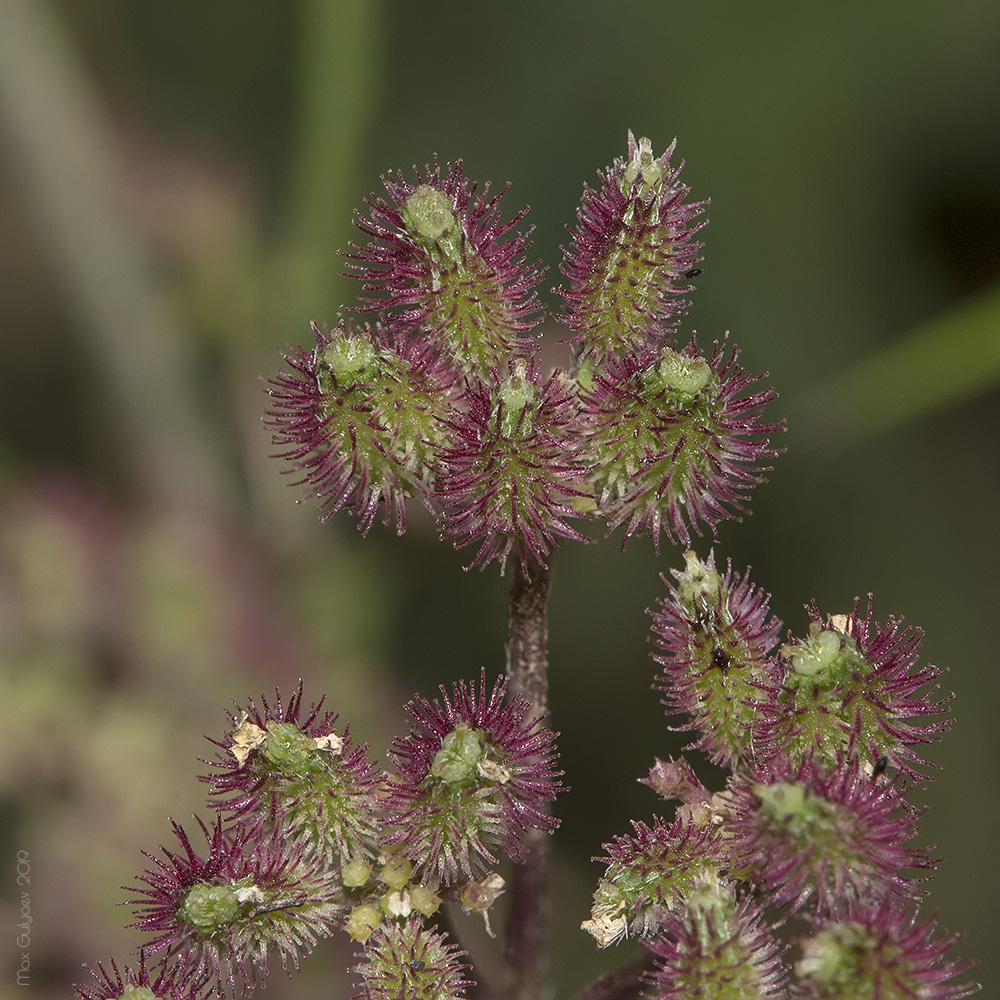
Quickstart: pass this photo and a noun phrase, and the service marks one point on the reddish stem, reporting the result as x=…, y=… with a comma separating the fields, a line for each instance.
x=527, y=668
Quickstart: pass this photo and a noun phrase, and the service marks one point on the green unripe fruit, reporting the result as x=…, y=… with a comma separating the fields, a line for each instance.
x=687, y=376
x=698, y=581
x=348, y=356
x=833, y=961
x=424, y=900
x=396, y=872
x=355, y=873
x=783, y=802
x=289, y=749
x=827, y=658
x=363, y=921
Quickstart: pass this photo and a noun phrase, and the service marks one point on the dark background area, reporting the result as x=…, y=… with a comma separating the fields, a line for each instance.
x=175, y=183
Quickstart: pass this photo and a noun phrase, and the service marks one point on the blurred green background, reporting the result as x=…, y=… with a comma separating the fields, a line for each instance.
x=175, y=182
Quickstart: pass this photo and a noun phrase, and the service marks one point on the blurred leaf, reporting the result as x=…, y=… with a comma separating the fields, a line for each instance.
x=951, y=359
x=339, y=86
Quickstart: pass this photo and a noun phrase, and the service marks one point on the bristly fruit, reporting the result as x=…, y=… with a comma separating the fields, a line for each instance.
x=717, y=949
x=510, y=478
x=883, y=953
x=715, y=639
x=170, y=983
x=295, y=768
x=630, y=254
x=359, y=419
x=407, y=961
x=675, y=441
x=218, y=917
x=853, y=685
x=651, y=874
x=441, y=261
x=475, y=775
x=826, y=837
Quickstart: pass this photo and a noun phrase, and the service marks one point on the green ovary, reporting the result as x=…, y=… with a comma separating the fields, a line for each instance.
x=470, y=310
x=427, y=214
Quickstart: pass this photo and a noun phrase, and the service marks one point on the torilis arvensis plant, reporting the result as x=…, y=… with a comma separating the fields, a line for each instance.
x=798, y=878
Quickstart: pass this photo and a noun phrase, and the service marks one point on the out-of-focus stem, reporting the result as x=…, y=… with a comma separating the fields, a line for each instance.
x=527, y=668
x=624, y=982
x=59, y=137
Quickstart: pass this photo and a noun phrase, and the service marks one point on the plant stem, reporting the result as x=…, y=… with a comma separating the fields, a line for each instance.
x=528, y=635
x=527, y=668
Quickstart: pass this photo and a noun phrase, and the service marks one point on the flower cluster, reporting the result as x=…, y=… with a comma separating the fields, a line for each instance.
x=435, y=393
x=312, y=837
x=814, y=823
x=442, y=400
